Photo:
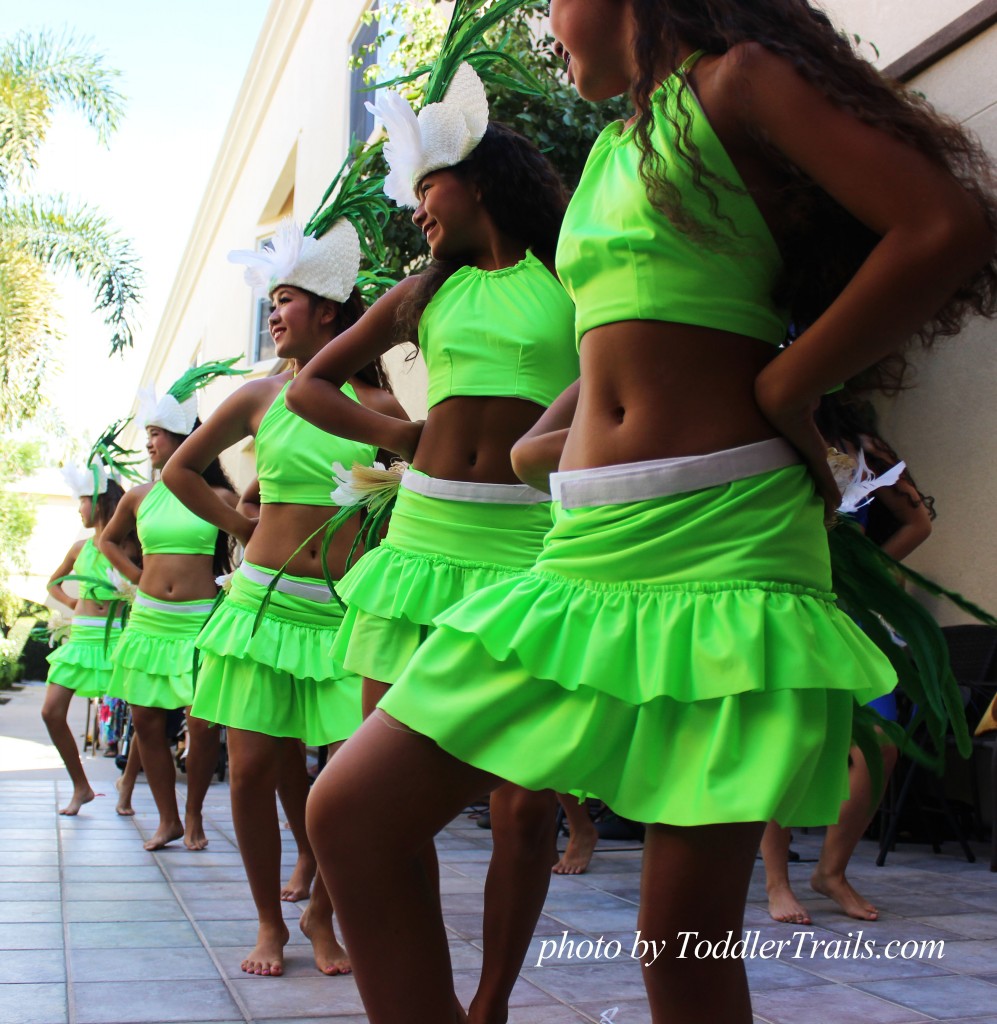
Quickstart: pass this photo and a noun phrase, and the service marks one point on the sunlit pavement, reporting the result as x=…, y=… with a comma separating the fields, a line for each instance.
x=97, y=931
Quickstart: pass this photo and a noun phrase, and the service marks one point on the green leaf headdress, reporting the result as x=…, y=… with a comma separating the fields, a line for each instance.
x=176, y=411
x=325, y=257
x=454, y=114
x=106, y=459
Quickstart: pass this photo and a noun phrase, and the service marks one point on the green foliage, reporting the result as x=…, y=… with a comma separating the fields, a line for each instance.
x=17, y=517
x=38, y=72
x=58, y=234
x=557, y=119
x=12, y=649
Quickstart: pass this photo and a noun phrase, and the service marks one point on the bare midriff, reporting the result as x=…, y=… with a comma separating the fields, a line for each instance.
x=284, y=527
x=470, y=438
x=178, y=577
x=655, y=390
x=92, y=609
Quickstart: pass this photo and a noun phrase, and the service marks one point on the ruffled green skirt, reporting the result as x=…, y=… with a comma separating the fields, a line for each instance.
x=680, y=658
x=280, y=681
x=83, y=662
x=153, y=664
x=436, y=552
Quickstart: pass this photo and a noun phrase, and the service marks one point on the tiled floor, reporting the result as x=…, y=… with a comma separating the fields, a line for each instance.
x=93, y=930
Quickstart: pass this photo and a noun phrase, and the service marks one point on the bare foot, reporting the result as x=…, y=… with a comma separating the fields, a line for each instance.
x=576, y=857
x=330, y=957
x=299, y=886
x=193, y=833
x=124, y=804
x=165, y=834
x=267, y=956
x=839, y=889
x=785, y=907
x=80, y=797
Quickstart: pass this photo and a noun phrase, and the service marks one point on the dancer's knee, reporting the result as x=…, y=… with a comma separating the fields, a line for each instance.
x=523, y=819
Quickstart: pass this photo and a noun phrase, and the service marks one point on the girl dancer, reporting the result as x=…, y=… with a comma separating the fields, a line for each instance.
x=272, y=682
x=153, y=665
x=496, y=330
x=82, y=665
x=688, y=550
x=849, y=424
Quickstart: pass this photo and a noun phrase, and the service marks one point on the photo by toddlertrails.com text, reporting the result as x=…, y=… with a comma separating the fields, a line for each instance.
x=800, y=945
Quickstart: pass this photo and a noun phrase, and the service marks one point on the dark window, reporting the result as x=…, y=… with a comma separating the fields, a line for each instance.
x=261, y=344
x=361, y=120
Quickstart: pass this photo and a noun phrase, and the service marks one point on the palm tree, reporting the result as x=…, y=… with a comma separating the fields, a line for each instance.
x=41, y=233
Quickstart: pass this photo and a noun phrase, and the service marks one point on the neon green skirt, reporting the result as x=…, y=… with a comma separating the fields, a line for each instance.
x=680, y=658
x=153, y=664
x=83, y=662
x=436, y=552
x=280, y=681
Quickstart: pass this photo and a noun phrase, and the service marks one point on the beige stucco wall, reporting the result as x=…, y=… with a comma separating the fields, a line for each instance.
x=288, y=133
x=894, y=26
x=947, y=425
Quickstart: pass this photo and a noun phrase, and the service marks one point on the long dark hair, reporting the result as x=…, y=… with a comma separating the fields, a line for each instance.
x=822, y=244
x=107, y=503
x=521, y=192
x=375, y=374
x=216, y=476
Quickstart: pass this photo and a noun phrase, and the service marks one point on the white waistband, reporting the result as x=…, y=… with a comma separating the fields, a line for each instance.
x=317, y=592
x=95, y=623
x=201, y=608
x=469, y=490
x=641, y=481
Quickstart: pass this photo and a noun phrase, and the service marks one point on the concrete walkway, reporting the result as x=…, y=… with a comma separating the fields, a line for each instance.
x=97, y=931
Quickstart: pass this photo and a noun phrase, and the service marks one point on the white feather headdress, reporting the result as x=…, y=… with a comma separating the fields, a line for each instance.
x=327, y=266
x=84, y=482
x=441, y=135
x=176, y=411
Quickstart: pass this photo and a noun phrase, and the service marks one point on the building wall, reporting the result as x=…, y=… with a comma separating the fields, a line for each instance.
x=945, y=427
x=287, y=137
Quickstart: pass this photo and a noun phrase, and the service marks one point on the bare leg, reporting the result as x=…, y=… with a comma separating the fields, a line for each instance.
x=292, y=788
x=150, y=725
x=126, y=784
x=841, y=839
x=371, y=815
x=55, y=712
x=515, y=890
x=582, y=837
x=255, y=760
x=316, y=926
x=204, y=742
x=783, y=904
x=696, y=880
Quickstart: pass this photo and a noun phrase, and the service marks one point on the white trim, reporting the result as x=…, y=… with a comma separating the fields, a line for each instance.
x=642, y=481
x=467, y=490
x=317, y=592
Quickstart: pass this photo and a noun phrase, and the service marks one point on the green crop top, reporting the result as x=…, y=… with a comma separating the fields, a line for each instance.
x=167, y=527
x=621, y=259
x=90, y=562
x=500, y=333
x=294, y=458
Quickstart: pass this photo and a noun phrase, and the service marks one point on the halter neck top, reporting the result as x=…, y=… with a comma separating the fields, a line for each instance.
x=620, y=258
x=500, y=333
x=294, y=458
x=167, y=527
x=90, y=562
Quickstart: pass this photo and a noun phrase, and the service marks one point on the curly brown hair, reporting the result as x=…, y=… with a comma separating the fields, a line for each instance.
x=522, y=193
x=822, y=244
